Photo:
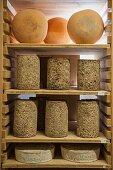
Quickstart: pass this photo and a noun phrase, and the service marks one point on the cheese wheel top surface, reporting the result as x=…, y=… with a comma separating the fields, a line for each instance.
x=85, y=27
x=30, y=26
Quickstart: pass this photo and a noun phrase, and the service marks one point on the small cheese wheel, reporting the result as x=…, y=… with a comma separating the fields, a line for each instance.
x=34, y=153
x=30, y=26
x=85, y=27
x=57, y=31
x=80, y=152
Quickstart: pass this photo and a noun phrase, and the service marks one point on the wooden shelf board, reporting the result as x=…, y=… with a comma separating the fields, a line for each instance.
x=71, y=138
x=57, y=92
x=75, y=49
x=55, y=163
x=44, y=46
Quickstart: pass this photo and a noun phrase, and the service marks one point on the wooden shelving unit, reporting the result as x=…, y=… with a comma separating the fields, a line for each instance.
x=8, y=94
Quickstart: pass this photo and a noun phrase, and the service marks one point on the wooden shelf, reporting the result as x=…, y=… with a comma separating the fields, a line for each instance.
x=63, y=49
x=71, y=138
x=57, y=92
x=46, y=46
x=55, y=163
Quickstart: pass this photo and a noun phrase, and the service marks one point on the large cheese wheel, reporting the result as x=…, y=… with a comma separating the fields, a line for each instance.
x=34, y=153
x=57, y=31
x=80, y=152
x=85, y=27
x=30, y=26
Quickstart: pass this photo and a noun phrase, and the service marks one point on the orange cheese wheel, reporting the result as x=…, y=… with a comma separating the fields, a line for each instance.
x=30, y=26
x=57, y=31
x=85, y=27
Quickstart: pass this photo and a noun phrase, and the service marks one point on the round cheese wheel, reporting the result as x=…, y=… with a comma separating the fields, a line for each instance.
x=57, y=31
x=30, y=26
x=85, y=27
x=80, y=152
x=34, y=153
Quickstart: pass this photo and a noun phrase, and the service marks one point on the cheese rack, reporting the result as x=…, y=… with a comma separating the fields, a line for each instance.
x=8, y=94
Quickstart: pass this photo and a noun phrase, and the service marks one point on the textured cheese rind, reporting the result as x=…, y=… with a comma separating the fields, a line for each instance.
x=30, y=26
x=34, y=153
x=85, y=27
x=80, y=153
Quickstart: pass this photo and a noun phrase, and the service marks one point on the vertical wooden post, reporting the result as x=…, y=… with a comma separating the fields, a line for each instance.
x=1, y=72
x=111, y=4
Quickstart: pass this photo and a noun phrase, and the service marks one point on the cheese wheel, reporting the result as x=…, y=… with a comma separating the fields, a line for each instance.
x=85, y=27
x=57, y=31
x=30, y=26
x=34, y=153
x=80, y=152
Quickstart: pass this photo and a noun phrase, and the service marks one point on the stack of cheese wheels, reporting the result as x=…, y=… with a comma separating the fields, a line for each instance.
x=80, y=152
x=85, y=27
x=30, y=26
x=34, y=153
x=57, y=31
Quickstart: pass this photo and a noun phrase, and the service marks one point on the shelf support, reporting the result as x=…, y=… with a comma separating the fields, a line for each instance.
x=1, y=73
x=110, y=4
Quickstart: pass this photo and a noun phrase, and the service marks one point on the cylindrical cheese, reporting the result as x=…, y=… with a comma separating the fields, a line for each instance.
x=25, y=118
x=34, y=153
x=80, y=152
x=88, y=75
x=28, y=72
x=58, y=73
x=87, y=119
x=56, y=121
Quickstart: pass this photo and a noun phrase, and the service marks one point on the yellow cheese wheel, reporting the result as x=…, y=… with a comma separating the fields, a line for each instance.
x=57, y=31
x=30, y=26
x=85, y=27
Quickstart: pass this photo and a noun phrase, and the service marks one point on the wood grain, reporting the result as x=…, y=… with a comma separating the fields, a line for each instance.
x=106, y=131
x=57, y=92
x=105, y=119
x=106, y=109
x=6, y=28
x=6, y=39
x=6, y=17
x=55, y=163
x=71, y=138
x=1, y=71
